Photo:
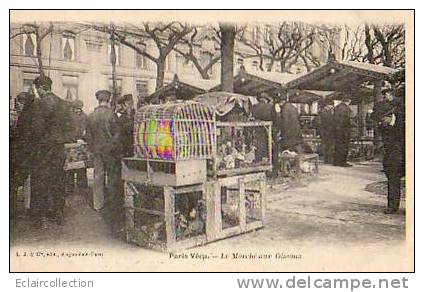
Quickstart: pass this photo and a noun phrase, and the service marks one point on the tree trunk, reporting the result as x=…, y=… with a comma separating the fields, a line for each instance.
x=388, y=60
x=228, y=33
x=368, y=44
x=39, y=53
x=114, y=81
x=160, y=72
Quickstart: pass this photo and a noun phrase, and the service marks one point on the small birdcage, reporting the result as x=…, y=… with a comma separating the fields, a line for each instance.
x=172, y=144
x=171, y=132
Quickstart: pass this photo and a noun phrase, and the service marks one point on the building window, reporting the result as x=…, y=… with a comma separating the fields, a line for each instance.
x=255, y=66
x=27, y=85
x=29, y=45
x=255, y=34
x=68, y=48
x=168, y=63
x=70, y=91
x=269, y=35
x=117, y=54
x=240, y=62
x=268, y=66
x=142, y=88
x=141, y=61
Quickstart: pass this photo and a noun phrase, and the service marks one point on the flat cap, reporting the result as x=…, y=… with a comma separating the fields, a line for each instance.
x=103, y=93
x=43, y=81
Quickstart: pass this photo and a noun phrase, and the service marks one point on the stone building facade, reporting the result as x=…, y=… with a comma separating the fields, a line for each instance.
x=79, y=65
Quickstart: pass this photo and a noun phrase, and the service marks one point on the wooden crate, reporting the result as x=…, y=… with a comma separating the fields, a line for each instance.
x=242, y=186
x=161, y=235
x=164, y=173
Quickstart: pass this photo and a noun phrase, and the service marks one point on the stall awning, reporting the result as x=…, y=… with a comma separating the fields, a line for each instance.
x=224, y=102
x=255, y=83
x=341, y=76
x=182, y=88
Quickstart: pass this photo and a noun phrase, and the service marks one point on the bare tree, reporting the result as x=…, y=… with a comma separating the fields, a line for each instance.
x=284, y=45
x=374, y=44
x=391, y=45
x=165, y=36
x=191, y=45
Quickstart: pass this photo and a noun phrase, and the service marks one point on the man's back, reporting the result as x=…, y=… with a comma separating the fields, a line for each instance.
x=290, y=126
x=52, y=120
x=326, y=122
x=102, y=130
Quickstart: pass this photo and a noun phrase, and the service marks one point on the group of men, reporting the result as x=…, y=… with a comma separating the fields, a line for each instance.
x=388, y=118
x=334, y=127
x=45, y=123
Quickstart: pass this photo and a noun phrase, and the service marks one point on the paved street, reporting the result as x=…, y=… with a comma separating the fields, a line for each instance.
x=340, y=209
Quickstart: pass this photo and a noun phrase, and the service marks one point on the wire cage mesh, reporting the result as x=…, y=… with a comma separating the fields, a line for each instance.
x=172, y=132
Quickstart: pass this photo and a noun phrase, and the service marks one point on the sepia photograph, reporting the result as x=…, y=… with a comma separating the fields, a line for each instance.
x=211, y=141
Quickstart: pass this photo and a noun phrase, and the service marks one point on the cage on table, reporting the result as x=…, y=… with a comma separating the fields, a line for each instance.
x=242, y=147
x=172, y=143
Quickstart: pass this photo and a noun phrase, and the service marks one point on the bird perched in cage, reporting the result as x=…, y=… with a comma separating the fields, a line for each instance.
x=250, y=155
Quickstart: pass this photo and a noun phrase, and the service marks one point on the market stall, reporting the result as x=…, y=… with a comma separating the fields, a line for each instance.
x=361, y=83
x=194, y=177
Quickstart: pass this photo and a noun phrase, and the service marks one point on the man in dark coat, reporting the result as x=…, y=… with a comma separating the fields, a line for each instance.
x=20, y=145
x=126, y=121
x=342, y=130
x=325, y=126
x=290, y=129
x=51, y=128
x=103, y=135
x=390, y=119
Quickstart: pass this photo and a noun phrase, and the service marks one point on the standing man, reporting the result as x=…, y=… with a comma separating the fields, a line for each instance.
x=390, y=118
x=51, y=128
x=20, y=145
x=126, y=121
x=290, y=129
x=326, y=131
x=342, y=130
x=103, y=134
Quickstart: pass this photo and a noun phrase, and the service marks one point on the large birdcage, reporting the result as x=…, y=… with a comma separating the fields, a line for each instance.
x=172, y=132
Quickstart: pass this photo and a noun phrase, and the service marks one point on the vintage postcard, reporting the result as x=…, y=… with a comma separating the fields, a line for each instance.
x=220, y=140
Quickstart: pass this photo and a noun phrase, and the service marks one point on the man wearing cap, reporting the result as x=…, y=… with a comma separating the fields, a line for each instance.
x=342, y=130
x=390, y=119
x=51, y=128
x=103, y=141
x=325, y=125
